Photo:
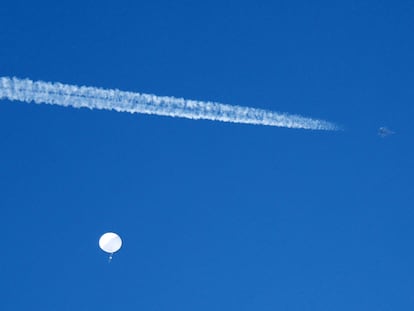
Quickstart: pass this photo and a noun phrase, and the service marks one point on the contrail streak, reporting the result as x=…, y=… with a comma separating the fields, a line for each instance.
x=40, y=92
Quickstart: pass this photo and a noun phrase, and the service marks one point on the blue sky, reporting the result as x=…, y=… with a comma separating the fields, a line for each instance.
x=214, y=216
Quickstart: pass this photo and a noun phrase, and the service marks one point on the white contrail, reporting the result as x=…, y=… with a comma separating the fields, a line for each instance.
x=96, y=98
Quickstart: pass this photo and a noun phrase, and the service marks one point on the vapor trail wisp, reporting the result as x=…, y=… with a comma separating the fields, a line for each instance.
x=40, y=92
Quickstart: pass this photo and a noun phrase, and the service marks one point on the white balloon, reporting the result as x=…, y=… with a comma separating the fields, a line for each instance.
x=110, y=242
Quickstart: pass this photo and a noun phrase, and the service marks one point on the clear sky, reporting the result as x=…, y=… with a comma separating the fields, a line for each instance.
x=214, y=216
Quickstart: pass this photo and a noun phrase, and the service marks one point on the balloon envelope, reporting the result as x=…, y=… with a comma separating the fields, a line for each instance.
x=110, y=242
